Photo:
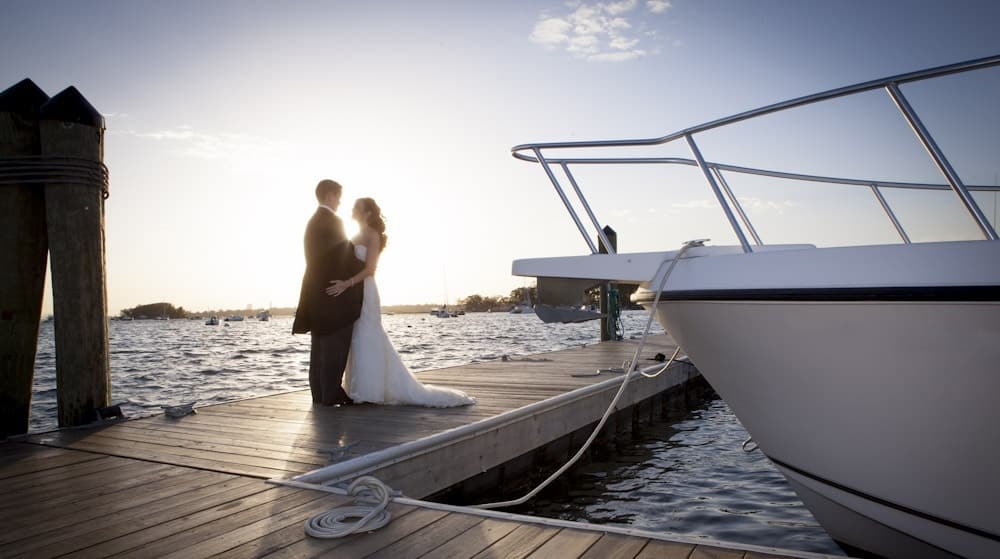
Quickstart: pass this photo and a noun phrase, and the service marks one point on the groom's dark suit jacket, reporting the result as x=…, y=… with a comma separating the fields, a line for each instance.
x=329, y=256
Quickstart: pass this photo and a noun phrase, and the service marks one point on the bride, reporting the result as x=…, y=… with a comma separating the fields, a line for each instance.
x=375, y=373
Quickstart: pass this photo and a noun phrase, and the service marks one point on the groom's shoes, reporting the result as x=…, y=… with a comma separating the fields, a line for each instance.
x=341, y=403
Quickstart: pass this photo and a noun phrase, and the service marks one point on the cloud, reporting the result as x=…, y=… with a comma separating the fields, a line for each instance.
x=696, y=204
x=657, y=6
x=760, y=204
x=615, y=8
x=227, y=145
x=748, y=203
x=600, y=31
x=551, y=31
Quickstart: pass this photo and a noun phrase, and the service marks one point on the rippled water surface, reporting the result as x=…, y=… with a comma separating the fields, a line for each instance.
x=170, y=362
x=691, y=477
x=688, y=477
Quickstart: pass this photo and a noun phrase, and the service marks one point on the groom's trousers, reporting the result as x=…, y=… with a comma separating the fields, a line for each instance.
x=327, y=361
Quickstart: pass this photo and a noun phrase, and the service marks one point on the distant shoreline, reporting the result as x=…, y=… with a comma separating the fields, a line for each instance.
x=276, y=312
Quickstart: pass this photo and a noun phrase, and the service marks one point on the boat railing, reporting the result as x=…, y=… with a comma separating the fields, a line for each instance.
x=713, y=171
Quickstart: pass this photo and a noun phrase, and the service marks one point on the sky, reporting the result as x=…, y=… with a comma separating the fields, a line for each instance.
x=221, y=117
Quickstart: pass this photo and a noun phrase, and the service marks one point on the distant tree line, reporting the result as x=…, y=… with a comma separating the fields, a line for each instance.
x=472, y=303
x=154, y=310
x=168, y=310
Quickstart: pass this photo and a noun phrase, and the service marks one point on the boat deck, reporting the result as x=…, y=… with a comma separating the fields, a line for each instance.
x=198, y=486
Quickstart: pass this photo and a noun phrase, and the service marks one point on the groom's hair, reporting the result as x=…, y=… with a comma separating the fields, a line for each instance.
x=327, y=186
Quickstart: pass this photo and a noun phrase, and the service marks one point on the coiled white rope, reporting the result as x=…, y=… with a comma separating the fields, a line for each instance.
x=371, y=497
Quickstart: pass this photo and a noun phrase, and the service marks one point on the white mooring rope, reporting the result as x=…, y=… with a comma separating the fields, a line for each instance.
x=614, y=402
x=370, y=508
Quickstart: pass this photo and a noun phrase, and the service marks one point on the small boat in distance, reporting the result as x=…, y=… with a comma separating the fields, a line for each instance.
x=524, y=307
x=264, y=316
x=234, y=318
x=212, y=321
x=443, y=312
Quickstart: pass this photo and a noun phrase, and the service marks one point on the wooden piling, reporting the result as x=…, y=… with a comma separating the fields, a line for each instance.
x=607, y=330
x=72, y=130
x=23, y=247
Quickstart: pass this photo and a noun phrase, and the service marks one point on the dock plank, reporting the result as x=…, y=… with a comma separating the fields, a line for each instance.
x=475, y=539
x=291, y=534
x=429, y=538
x=615, y=546
x=97, y=531
x=229, y=533
x=360, y=545
x=519, y=543
x=567, y=543
x=99, y=488
x=78, y=487
x=708, y=552
x=18, y=459
x=659, y=549
x=66, y=521
x=156, y=540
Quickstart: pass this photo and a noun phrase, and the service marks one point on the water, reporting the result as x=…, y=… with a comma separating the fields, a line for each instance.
x=688, y=477
x=156, y=363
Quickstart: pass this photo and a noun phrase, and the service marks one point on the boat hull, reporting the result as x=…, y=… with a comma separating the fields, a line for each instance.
x=881, y=413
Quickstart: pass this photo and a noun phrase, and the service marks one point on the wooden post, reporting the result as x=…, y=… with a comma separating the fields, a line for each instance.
x=71, y=128
x=606, y=333
x=23, y=247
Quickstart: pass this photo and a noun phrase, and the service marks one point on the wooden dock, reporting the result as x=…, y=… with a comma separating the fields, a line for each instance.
x=197, y=486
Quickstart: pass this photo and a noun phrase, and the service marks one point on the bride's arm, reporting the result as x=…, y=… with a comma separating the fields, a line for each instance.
x=373, y=244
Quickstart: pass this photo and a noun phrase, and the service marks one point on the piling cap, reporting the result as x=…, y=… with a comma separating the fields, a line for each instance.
x=23, y=98
x=69, y=105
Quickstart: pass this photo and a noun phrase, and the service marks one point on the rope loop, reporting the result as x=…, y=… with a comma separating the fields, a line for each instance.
x=46, y=169
x=371, y=497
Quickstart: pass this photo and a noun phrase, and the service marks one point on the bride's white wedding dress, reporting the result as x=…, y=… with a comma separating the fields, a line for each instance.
x=375, y=373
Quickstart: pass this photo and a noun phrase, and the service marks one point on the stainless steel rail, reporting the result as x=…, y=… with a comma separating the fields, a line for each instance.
x=712, y=171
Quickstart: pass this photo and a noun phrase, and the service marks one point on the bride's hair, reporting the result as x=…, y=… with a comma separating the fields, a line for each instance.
x=375, y=218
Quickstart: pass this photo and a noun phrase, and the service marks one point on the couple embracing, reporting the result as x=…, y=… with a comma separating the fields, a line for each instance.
x=352, y=360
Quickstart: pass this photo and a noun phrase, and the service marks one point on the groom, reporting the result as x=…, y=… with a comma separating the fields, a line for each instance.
x=329, y=256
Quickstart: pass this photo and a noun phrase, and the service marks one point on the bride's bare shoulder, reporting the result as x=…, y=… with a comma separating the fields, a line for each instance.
x=372, y=238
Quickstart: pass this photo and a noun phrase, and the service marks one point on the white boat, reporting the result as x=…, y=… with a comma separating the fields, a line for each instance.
x=264, y=316
x=867, y=374
x=234, y=318
x=212, y=321
x=443, y=312
x=524, y=307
